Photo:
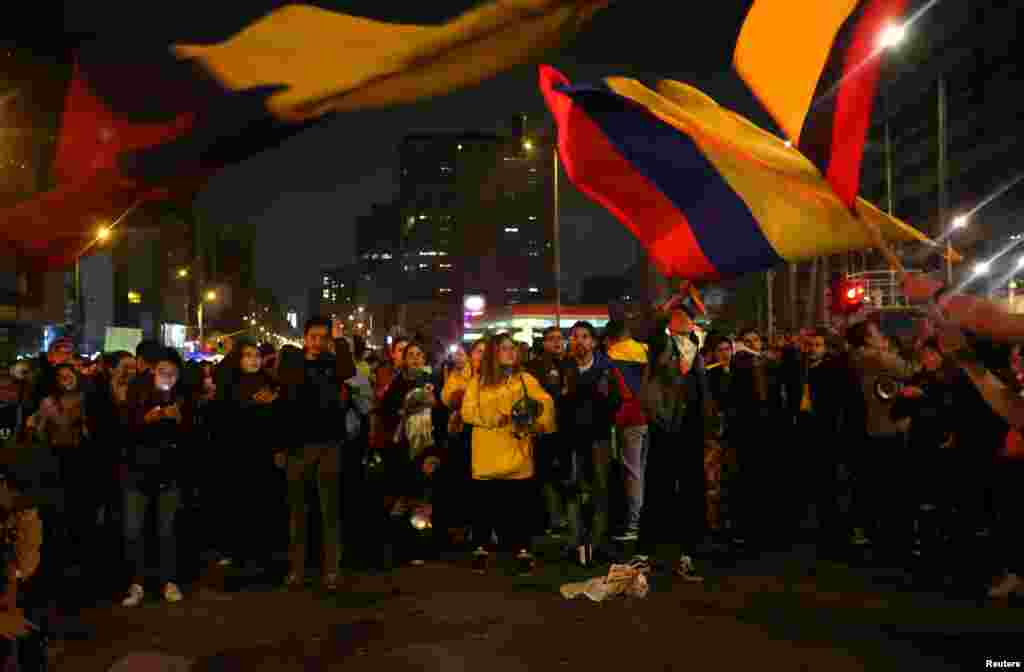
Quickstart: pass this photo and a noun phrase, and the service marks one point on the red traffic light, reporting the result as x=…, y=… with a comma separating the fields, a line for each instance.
x=848, y=296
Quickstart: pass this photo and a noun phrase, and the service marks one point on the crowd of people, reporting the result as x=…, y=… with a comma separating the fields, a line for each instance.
x=677, y=440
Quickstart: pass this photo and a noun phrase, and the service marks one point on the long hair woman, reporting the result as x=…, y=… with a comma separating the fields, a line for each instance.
x=457, y=469
x=507, y=409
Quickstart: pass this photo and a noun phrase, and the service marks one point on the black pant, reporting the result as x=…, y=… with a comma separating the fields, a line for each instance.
x=884, y=505
x=817, y=473
x=752, y=490
x=506, y=507
x=1010, y=514
x=674, y=491
x=452, y=484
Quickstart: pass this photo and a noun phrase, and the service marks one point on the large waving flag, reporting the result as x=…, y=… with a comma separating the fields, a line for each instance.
x=707, y=193
x=149, y=120
x=814, y=65
x=328, y=61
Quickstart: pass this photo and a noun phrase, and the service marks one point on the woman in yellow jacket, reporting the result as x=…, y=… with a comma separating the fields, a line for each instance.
x=503, y=439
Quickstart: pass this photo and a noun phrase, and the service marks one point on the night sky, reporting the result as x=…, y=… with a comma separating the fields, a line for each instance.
x=303, y=196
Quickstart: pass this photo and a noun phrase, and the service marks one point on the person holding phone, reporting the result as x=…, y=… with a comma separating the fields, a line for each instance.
x=160, y=419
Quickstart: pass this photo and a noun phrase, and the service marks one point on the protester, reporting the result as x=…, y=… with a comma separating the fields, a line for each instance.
x=312, y=389
x=160, y=419
x=507, y=408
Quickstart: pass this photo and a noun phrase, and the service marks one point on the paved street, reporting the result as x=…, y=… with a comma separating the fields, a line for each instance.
x=768, y=613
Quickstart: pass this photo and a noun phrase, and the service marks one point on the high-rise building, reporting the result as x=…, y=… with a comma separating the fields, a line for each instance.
x=476, y=216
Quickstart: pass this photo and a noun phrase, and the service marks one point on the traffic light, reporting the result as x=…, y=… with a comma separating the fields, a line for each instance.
x=848, y=296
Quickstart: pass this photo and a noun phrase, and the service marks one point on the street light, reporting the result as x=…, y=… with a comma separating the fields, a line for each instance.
x=960, y=222
x=982, y=268
x=209, y=296
x=892, y=36
x=182, y=272
x=103, y=233
x=528, y=145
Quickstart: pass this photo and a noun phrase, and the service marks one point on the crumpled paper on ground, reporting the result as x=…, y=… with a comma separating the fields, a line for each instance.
x=628, y=580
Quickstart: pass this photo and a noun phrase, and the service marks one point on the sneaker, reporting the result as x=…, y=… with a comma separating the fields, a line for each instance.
x=859, y=538
x=135, y=596
x=172, y=593
x=417, y=563
x=1011, y=584
x=525, y=563
x=481, y=561
x=628, y=535
x=293, y=581
x=331, y=582
x=686, y=571
x=225, y=562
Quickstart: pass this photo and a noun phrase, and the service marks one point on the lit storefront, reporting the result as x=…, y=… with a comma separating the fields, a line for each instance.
x=527, y=322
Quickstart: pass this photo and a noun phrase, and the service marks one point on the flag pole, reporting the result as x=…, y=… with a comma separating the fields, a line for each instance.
x=557, y=242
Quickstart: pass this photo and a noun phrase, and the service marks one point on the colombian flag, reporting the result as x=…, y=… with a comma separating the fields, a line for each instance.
x=814, y=65
x=707, y=193
x=149, y=118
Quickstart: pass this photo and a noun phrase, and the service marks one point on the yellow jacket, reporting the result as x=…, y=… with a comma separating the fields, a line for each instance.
x=457, y=381
x=497, y=452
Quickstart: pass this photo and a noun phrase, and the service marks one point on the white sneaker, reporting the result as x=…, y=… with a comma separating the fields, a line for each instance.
x=1009, y=585
x=225, y=562
x=686, y=570
x=135, y=596
x=172, y=593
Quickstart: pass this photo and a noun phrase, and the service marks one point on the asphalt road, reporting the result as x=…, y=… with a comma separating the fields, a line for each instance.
x=780, y=611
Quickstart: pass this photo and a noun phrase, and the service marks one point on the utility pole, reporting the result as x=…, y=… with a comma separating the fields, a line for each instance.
x=943, y=195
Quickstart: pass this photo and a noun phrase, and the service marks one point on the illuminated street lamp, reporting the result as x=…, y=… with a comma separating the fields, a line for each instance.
x=528, y=145
x=982, y=268
x=182, y=272
x=893, y=35
x=102, y=233
x=960, y=222
x=211, y=295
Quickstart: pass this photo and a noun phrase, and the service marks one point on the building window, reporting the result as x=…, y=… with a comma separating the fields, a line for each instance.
x=134, y=297
x=445, y=290
x=327, y=294
x=511, y=229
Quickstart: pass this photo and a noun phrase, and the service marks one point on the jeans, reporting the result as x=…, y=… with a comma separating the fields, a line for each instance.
x=674, y=512
x=137, y=500
x=634, y=458
x=587, y=500
x=322, y=461
x=550, y=457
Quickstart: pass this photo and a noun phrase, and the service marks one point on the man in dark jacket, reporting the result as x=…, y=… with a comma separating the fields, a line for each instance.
x=314, y=390
x=557, y=375
x=588, y=417
x=677, y=405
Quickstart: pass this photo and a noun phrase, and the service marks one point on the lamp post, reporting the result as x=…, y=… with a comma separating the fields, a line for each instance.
x=209, y=296
x=556, y=243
